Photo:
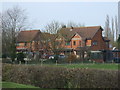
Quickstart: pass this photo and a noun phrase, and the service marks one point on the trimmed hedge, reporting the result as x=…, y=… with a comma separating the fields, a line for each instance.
x=59, y=77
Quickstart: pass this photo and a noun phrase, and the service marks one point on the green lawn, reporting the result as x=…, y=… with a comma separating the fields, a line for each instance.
x=19, y=86
x=16, y=85
x=113, y=66
x=95, y=66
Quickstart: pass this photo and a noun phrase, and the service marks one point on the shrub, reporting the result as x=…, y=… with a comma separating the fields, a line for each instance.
x=71, y=58
x=62, y=61
x=59, y=77
x=4, y=55
x=4, y=60
x=20, y=57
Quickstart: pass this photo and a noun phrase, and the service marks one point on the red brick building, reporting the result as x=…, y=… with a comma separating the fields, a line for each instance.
x=90, y=37
x=73, y=38
x=29, y=40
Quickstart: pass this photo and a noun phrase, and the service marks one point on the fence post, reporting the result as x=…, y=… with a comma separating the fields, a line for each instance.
x=19, y=62
x=56, y=62
x=41, y=62
x=25, y=62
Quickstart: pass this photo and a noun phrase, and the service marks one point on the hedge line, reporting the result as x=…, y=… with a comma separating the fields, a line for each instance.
x=59, y=77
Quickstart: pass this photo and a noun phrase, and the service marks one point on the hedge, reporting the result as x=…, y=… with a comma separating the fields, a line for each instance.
x=59, y=77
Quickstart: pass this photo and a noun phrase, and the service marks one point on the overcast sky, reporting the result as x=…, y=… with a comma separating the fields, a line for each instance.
x=89, y=13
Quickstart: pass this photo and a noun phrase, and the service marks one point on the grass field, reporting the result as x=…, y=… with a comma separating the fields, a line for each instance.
x=16, y=85
x=21, y=86
x=95, y=66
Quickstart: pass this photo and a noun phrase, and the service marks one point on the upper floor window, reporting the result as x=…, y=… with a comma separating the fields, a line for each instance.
x=107, y=44
x=95, y=43
x=17, y=44
x=88, y=42
x=67, y=43
x=74, y=42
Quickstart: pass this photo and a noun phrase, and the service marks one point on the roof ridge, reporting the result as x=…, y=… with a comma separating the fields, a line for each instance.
x=29, y=30
x=85, y=27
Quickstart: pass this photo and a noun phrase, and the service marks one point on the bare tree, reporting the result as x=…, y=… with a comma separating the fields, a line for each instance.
x=112, y=37
x=73, y=24
x=53, y=41
x=0, y=36
x=52, y=27
x=107, y=27
x=116, y=27
x=13, y=21
x=113, y=30
x=109, y=32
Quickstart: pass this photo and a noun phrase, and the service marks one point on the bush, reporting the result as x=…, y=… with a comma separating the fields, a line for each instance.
x=49, y=61
x=4, y=55
x=59, y=77
x=71, y=58
x=62, y=61
x=20, y=57
x=4, y=60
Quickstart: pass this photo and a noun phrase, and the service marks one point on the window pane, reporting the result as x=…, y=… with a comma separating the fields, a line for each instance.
x=74, y=43
x=67, y=43
x=95, y=43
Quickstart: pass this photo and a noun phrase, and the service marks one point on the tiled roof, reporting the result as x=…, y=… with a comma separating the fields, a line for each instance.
x=84, y=32
x=46, y=36
x=26, y=36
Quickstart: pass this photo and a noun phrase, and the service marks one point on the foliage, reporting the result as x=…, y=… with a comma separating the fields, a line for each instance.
x=4, y=56
x=60, y=77
x=20, y=57
x=4, y=60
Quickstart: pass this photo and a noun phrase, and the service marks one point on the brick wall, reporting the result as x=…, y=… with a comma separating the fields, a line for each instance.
x=100, y=42
x=34, y=46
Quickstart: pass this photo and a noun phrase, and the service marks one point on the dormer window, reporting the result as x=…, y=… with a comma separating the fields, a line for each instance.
x=88, y=42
